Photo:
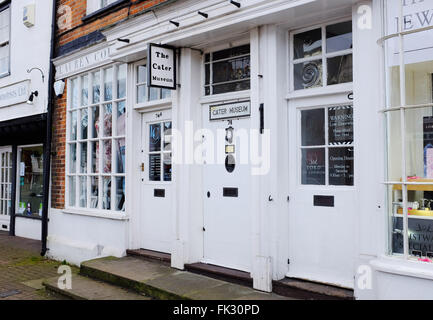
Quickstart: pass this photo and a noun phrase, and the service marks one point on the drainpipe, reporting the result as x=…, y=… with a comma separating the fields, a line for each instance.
x=48, y=135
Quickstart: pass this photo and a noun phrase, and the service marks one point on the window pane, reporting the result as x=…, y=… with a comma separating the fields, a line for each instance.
x=107, y=156
x=85, y=90
x=108, y=84
x=155, y=137
x=154, y=94
x=394, y=145
x=339, y=36
x=167, y=136
x=340, y=70
x=313, y=127
x=4, y=25
x=83, y=192
x=313, y=166
x=167, y=166
x=96, y=86
x=121, y=118
x=106, y=193
x=120, y=194
x=31, y=180
x=72, y=191
x=340, y=124
x=4, y=59
x=207, y=74
x=74, y=93
x=308, y=74
x=94, y=185
x=231, y=87
x=84, y=124
x=83, y=161
x=165, y=93
x=307, y=44
x=141, y=74
x=155, y=167
x=232, y=52
x=235, y=69
x=142, y=93
x=121, y=81
x=107, y=119
x=72, y=158
x=341, y=166
x=120, y=155
x=74, y=124
x=95, y=157
x=95, y=122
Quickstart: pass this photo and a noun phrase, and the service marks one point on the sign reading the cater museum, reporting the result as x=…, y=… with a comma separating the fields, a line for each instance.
x=230, y=110
x=14, y=94
x=162, y=66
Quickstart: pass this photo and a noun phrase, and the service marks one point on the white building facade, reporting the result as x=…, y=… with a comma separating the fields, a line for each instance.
x=269, y=156
x=23, y=113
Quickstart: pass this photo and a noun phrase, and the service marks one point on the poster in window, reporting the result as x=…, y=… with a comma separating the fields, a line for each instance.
x=340, y=124
x=313, y=166
x=420, y=237
x=341, y=166
x=428, y=147
x=155, y=167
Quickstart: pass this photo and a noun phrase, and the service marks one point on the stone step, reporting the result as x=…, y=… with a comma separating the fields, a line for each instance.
x=221, y=273
x=159, y=281
x=84, y=288
x=302, y=289
x=151, y=255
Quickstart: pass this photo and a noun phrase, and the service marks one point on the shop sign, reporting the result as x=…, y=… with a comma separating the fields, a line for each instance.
x=417, y=14
x=88, y=61
x=14, y=94
x=230, y=111
x=162, y=66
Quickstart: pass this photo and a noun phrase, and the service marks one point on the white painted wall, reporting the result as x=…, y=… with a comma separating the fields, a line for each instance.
x=77, y=238
x=30, y=47
x=28, y=228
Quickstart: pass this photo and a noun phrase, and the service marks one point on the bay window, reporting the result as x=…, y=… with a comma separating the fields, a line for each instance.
x=409, y=121
x=96, y=139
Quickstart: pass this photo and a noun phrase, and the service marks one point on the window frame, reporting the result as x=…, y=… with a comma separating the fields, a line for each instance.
x=94, y=7
x=326, y=146
x=100, y=139
x=7, y=43
x=324, y=56
x=214, y=49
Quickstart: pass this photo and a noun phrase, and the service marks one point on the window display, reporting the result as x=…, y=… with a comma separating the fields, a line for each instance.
x=96, y=140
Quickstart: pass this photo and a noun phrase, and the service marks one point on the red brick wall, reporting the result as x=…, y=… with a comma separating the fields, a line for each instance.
x=77, y=29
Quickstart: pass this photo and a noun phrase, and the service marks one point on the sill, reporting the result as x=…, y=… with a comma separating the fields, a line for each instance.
x=32, y=217
x=103, y=11
x=400, y=266
x=111, y=215
x=154, y=104
x=223, y=97
x=322, y=91
x=5, y=75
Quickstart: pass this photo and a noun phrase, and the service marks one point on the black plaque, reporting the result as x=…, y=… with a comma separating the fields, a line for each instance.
x=159, y=193
x=341, y=166
x=340, y=125
x=231, y=192
x=313, y=166
x=323, y=201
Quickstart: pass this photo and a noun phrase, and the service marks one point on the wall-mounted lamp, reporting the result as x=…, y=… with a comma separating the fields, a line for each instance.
x=32, y=97
x=235, y=3
x=42, y=73
x=59, y=87
x=177, y=24
x=203, y=14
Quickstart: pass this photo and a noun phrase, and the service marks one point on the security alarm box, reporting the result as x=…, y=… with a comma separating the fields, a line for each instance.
x=29, y=15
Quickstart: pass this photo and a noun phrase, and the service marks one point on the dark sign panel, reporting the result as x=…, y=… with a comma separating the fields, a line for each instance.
x=313, y=166
x=155, y=167
x=420, y=236
x=341, y=166
x=340, y=124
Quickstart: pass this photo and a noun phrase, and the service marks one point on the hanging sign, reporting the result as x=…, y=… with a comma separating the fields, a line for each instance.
x=162, y=66
x=230, y=111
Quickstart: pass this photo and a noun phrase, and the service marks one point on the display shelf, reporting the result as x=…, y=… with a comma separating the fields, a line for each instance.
x=422, y=186
x=419, y=213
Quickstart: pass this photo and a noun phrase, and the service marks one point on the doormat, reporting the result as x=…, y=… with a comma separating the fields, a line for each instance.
x=9, y=293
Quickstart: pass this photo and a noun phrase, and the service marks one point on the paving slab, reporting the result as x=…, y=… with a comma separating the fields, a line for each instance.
x=84, y=288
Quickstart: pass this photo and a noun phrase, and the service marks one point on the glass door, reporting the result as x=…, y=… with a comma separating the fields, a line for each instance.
x=5, y=186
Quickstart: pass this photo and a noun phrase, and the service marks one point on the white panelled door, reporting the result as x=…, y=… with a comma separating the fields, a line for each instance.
x=5, y=187
x=322, y=190
x=227, y=193
x=156, y=181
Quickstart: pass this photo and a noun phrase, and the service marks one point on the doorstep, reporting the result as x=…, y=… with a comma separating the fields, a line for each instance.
x=158, y=281
x=150, y=255
x=221, y=273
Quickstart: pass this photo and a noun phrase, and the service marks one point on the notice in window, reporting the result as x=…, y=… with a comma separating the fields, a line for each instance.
x=340, y=123
x=341, y=166
x=313, y=166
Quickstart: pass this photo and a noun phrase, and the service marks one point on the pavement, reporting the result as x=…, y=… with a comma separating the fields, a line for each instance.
x=22, y=270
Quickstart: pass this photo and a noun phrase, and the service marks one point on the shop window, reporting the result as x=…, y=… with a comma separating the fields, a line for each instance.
x=96, y=139
x=5, y=182
x=146, y=93
x=327, y=154
x=408, y=117
x=30, y=180
x=322, y=56
x=4, y=40
x=227, y=70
